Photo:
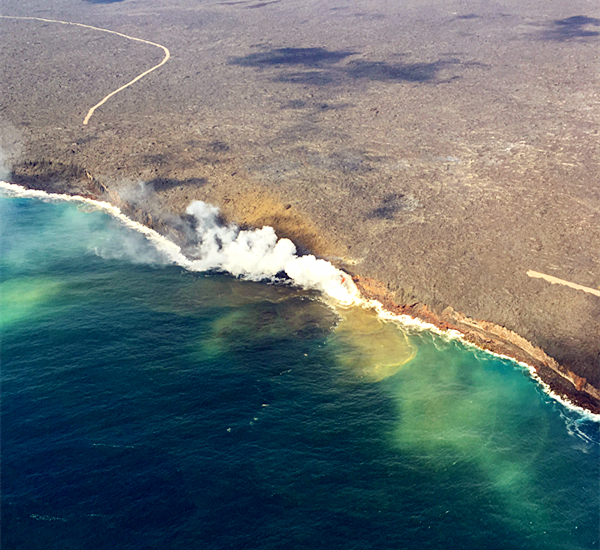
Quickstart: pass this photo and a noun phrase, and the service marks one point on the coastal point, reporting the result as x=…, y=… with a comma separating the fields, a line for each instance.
x=444, y=154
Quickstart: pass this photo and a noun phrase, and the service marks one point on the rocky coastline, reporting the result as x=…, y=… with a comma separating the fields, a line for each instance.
x=446, y=150
x=496, y=339
x=485, y=335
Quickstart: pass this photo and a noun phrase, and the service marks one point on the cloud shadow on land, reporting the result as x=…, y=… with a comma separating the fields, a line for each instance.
x=307, y=57
x=162, y=184
x=47, y=175
x=316, y=78
x=391, y=204
x=577, y=26
x=321, y=67
x=407, y=72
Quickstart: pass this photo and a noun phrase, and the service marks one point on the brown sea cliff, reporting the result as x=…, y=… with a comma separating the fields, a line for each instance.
x=494, y=338
x=483, y=334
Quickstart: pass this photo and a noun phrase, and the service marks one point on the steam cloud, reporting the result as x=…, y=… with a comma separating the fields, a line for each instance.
x=258, y=254
x=212, y=245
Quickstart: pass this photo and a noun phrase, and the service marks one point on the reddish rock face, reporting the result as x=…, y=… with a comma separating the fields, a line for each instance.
x=494, y=338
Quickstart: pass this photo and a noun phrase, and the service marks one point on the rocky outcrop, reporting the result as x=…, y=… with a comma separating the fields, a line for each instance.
x=494, y=338
x=56, y=177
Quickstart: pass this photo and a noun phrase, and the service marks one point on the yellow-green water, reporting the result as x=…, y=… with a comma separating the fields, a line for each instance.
x=147, y=406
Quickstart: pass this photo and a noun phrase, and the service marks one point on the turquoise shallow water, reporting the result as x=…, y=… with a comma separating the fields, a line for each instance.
x=144, y=406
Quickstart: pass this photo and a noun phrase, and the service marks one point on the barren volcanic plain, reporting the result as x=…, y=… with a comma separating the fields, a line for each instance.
x=437, y=150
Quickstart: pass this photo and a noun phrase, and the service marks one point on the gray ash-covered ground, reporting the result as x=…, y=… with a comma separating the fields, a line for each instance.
x=443, y=148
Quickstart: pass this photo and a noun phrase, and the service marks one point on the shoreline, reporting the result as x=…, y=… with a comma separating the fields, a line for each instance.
x=428, y=160
x=557, y=381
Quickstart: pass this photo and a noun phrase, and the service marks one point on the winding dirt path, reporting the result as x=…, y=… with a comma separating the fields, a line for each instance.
x=557, y=281
x=139, y=77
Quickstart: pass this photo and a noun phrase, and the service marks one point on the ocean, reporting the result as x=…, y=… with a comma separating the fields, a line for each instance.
x=147, y=404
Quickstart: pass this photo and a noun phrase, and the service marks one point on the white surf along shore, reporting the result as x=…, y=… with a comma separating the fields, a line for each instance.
x=258, y=255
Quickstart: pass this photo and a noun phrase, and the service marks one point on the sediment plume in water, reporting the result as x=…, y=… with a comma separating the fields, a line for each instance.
x=369, y=347
x=259, y=255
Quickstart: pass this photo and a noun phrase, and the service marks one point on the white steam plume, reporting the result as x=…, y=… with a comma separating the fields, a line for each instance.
x=258, y=254
x=255, y=255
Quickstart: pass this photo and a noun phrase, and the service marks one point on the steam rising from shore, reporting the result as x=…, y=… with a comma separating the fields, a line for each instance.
x=258, y=254
x=255, y=254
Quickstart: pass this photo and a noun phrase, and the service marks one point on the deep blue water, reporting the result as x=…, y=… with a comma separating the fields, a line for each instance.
x=144, y=406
